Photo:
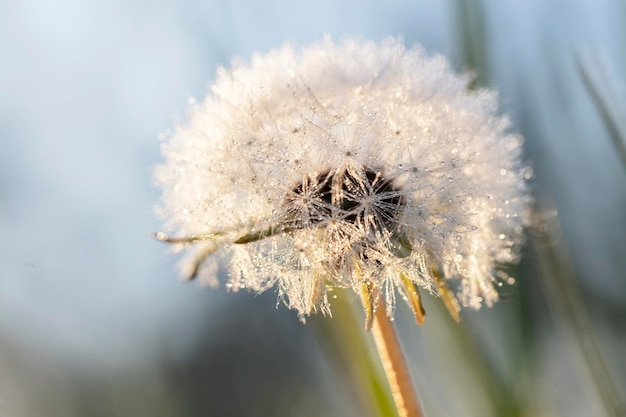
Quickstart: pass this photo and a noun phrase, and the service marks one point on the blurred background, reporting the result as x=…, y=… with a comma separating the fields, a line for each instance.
x=93, y=320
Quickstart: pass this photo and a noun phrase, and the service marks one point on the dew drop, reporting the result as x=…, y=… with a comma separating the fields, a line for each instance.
x=528, y=173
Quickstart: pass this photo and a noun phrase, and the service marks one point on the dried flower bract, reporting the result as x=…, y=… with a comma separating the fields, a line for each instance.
x=353, y=165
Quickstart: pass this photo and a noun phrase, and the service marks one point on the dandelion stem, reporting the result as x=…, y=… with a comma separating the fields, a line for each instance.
x=394, y=364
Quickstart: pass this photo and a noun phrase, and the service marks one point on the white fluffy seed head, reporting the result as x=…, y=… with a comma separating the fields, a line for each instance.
x=343, y=164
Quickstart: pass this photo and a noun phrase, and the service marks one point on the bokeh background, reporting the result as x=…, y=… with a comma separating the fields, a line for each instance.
x=93, y=320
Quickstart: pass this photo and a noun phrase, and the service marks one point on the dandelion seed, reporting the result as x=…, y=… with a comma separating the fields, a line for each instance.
x=353, y=165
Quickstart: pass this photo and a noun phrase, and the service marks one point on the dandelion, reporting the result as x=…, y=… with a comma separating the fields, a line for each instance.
x=352, y=165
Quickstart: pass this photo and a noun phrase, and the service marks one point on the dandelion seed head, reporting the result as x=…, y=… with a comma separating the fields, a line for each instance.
x=346, y=163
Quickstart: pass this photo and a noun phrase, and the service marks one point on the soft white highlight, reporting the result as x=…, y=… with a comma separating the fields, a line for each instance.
x=343, y=165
